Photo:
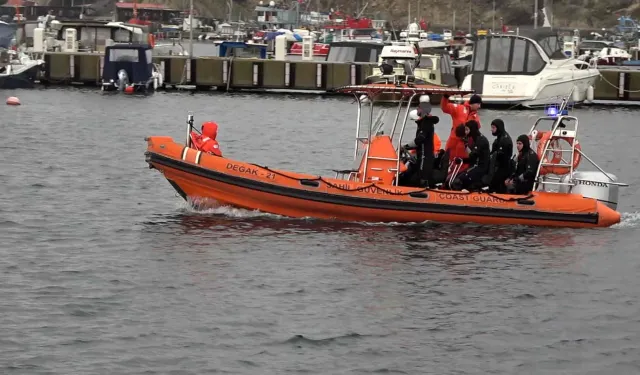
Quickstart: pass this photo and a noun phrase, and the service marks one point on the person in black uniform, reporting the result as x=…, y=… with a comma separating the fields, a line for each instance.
x=500, y=162
x=421, y=174
x=522, y=180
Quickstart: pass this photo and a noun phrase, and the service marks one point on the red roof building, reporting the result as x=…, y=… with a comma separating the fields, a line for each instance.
x=139, y=6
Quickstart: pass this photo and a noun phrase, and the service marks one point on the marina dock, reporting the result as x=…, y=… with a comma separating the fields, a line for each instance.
x=217, y=73
x=206, y=73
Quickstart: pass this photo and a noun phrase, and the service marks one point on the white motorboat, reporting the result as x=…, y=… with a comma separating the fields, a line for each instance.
x=607, y=56
x=17, y=69
x=402, y=58
x=527, y=71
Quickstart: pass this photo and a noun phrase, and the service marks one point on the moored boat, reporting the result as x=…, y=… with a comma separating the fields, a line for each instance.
x=562, y=197
x=130, y=68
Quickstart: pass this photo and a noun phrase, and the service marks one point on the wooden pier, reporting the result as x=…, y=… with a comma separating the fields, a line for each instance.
x=206, y=73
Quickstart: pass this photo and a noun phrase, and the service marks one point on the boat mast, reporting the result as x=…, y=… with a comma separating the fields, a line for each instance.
x=190, y=30
x=493, y=18
x=535, y=14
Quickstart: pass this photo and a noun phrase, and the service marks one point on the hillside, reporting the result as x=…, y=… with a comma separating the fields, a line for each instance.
x=567, y=13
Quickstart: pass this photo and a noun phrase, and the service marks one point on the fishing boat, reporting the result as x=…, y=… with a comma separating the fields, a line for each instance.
x=403, y=61
x=130, y=68
x=17, y=69
x=562, y=196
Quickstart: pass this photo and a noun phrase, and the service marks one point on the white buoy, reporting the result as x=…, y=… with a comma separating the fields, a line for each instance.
x=12, y=100
x=576, y=95
x=590, y=93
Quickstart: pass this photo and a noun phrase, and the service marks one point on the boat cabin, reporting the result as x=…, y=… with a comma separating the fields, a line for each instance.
x=92, y=36
x=507, y=54
x=355, y=51
x=135, y=59
x=272, y=17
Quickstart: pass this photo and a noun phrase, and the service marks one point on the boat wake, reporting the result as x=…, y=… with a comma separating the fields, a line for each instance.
x=629, y=220
x=228, y=211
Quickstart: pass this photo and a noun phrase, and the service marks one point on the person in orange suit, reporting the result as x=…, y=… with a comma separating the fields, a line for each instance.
x=460, y=115
x=206, y=141
x=458, y=151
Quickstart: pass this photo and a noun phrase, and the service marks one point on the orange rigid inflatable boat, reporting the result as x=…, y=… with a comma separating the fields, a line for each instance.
x=370, y=193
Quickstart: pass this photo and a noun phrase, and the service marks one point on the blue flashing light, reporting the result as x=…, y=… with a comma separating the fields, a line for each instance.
x=555, y=111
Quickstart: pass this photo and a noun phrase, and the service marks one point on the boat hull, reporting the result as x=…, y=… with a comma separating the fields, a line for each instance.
x=546, y=91
x=22, y=79
x=207, y=179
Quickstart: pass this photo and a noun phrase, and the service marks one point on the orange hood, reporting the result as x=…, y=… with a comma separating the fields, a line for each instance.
x=210, y=129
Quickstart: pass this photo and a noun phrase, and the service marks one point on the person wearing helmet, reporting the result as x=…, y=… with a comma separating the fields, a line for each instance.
x=423, y=143
x=206, y=141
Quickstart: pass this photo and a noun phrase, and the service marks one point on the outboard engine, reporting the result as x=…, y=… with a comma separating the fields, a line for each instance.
x=123, y=79
x=594, y=184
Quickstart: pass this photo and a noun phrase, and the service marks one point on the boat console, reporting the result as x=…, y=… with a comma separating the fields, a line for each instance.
x=562, y=154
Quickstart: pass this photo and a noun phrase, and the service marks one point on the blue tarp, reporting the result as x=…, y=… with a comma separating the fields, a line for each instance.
x=7, y=33
x=271, y=35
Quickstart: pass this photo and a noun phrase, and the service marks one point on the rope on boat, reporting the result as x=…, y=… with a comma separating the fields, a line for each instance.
x=617, y=87
x=373, y=185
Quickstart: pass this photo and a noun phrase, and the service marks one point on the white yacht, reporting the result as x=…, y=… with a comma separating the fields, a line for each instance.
x=527, y=71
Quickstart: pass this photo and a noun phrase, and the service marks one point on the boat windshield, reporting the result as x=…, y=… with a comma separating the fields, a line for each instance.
x=365, y=53
x=128, y=55
x=552, y=47
x=507, y=55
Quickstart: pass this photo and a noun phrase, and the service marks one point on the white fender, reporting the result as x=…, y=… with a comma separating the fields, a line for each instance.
x=590, y=93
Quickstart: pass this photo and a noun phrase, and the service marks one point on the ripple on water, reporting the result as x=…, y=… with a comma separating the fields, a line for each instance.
x=105, y=271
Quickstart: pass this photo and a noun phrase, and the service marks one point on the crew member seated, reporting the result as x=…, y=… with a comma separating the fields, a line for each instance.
x=501, y=153
x=420, y=173
x=523, y=179
x=457, y=152
x=206, y=141
x=472, y=178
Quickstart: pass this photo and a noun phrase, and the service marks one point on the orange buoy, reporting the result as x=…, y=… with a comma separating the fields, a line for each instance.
x=128, y=90
x=13, y=101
